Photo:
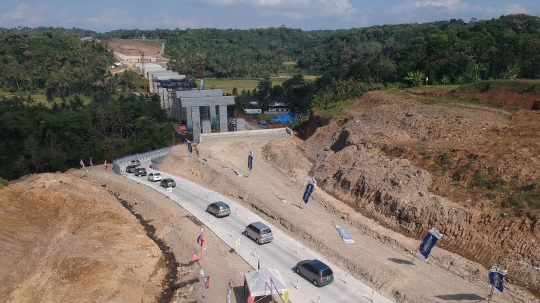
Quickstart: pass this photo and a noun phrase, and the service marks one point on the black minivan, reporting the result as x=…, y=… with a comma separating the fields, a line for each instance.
x=315, y=271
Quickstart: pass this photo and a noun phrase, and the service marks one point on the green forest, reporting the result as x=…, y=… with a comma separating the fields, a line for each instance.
x=56, y=62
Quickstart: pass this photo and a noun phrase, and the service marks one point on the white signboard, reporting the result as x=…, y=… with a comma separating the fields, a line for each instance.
x=250, y=111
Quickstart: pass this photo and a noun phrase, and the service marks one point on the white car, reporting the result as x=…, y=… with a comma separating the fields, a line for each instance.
x=154, y=177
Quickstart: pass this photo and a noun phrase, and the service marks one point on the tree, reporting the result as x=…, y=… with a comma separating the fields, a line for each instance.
x=415, y=77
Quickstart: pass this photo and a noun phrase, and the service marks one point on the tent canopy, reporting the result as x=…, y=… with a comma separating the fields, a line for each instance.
x=264, y=282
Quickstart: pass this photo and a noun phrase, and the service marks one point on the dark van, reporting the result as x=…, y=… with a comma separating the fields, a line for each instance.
x=315, y=271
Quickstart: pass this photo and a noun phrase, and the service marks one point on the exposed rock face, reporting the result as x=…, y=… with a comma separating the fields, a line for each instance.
x=349, y=162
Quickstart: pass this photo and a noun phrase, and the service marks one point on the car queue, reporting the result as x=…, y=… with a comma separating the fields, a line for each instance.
x=314, y=271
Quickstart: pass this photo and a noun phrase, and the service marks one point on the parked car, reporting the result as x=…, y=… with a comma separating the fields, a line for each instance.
x=315, y=271
x=167, y=182
x=259, y=232
x=154, y=177
x=135, y=162
x=131, y=168
x=140, y=171
x=219, y=209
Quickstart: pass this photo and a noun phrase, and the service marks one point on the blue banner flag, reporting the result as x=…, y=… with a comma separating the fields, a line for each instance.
x=309, y=190
x=189, y=148
x=428, y=243
x=496, y=278
x=250, y=160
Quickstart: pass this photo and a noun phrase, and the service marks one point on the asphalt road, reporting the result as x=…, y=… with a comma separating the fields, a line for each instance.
x=282, y=253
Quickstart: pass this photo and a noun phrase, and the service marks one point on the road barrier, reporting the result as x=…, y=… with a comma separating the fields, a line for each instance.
x=154, y=156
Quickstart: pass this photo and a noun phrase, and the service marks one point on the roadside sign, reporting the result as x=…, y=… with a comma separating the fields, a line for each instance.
x=285, y=296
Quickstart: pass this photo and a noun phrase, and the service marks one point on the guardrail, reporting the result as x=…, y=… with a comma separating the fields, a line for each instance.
x=156, y=156
x=275, y=132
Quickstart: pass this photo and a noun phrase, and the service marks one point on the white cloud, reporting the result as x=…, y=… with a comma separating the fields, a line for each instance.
x=449, y=5
x=24, y=15
x=337, y=6
x=114, y=16
x=516, y=9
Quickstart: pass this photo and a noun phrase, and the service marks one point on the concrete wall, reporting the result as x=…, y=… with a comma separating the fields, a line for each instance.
x=196, y=118
x=153, y=74
x=223, y=123
x=195, y=93
x=274, y=133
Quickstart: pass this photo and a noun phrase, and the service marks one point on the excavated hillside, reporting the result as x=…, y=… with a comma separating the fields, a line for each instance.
x=412, y=162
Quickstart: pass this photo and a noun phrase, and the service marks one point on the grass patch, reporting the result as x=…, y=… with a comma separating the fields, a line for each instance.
x=336, y=109
x=42, y=99
x=431, y=89
x=522, y=201
x=520, y=86
x=227, y=84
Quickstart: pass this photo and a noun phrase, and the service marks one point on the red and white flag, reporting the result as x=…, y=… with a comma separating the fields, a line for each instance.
x=91, y=162
x=82, y=164
x=195, y=258
x=201, y=240
x=205, y=286
x=106, y=166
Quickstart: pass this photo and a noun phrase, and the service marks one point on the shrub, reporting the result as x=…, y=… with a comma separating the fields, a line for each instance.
x=479, y=179
x=3, y=182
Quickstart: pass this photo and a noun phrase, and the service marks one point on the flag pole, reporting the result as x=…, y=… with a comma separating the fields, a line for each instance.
x=490, y=294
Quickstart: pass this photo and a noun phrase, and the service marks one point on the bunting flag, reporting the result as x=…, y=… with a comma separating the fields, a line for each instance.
x=496, y=278
x=250, y=160
x=205, y=287
x=309, y=190
x=229, y=291
x=428, y=243
x=201, y=240
x=106, y=167
x=196, y=259
x=82, y=164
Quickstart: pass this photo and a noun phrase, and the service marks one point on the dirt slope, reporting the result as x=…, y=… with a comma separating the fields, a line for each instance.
x=411, y=166
x=65, y=240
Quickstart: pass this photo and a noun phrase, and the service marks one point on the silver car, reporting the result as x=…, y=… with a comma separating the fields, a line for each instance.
x=259, y=232
x=154, y=177
x=219, y=209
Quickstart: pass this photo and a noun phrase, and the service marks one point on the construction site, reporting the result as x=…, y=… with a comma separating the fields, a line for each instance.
x=185, y=100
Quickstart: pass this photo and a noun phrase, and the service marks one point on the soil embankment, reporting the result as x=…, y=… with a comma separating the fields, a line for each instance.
x=65, y=240
x=411, y=166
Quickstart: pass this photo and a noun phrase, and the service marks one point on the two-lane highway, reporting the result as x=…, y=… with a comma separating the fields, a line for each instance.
x=282, y=253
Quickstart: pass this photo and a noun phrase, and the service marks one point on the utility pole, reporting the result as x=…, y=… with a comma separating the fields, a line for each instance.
x=145, y=88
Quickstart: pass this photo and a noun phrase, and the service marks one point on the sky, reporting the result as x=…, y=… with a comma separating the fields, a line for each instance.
x=106, y=15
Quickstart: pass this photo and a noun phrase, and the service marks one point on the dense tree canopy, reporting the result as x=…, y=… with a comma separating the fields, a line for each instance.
x=52, y=62
x=35, y=139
